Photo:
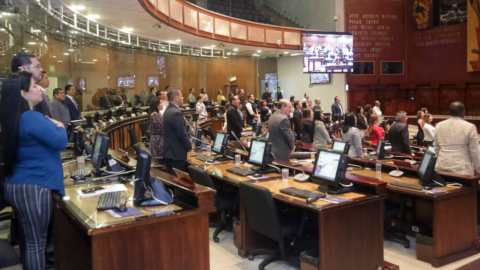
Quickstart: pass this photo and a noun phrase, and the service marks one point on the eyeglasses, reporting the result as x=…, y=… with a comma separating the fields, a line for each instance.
x=36, y=66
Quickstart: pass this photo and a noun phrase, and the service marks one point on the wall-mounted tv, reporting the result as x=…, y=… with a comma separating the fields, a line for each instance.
x=152, y=81
x=327, y=52
x=82, y=84
x=319, y=78
x=126, y=82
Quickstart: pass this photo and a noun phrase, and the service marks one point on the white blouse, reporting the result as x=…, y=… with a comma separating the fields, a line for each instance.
x=429, y=132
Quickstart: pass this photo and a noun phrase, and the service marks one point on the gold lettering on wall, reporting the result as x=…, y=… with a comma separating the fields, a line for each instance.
x=371, y=33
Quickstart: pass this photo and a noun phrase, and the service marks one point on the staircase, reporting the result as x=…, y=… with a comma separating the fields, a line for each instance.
x=277, y=18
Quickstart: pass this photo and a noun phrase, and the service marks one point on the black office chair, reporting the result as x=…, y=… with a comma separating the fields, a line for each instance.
x=262, y=217
x=396, y=211
x=225, y=200
x=133, y=136
x=144, y=128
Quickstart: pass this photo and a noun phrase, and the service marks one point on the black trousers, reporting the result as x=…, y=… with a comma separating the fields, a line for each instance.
x=177, y=164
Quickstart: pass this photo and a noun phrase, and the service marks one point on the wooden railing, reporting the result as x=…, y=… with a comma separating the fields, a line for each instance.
x=192, y=19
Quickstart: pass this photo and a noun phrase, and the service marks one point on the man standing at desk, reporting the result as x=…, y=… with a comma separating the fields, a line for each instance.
x=266, y=95
x=337, y=109
x=71, y=103
x=105, y=103
x=399, y=136
x=297, y=118
x=176, y=143
x=279, y=94
x=281, y=136
x=456, y=143
x=59, y=110
x=376, y=110
x=235, y=123
x=191, y=96
x=317, y=105
x=153, y=93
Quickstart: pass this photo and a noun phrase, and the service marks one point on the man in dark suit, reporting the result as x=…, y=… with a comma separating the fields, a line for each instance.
x=176, y=143
x=280, y=132
x=279, y=94
x=44, y=107
x=234, y=122
x=59, y=110
x=337, y=109
x=297, y=118
x=105, y=101
x=71, y=103
x=266, y=95
x=399, y=136
x=153, y=93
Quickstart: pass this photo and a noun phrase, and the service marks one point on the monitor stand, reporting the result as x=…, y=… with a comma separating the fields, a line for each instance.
x=266, y=171
x=157, y=189
x=435, y=181
x=337, y=190
x=221, y=158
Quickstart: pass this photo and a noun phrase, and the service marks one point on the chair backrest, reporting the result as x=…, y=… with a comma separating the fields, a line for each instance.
x=133, y=136
x=200, y=176
x=261, y=211
x=144, y=128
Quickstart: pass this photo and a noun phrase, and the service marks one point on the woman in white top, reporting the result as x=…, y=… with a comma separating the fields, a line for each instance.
x=320, y=137
x=428, y=129
x=203, y=93
x=352, y=135
x=201, y=110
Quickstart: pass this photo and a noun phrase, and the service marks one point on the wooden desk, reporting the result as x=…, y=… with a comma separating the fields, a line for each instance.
x=162, y=237
x=362, y=239
x=453, y=215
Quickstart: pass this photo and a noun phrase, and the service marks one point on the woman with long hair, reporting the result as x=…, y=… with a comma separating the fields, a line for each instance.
x=374, y=129
x=33, y=165
x=264, y=111
x=361, y=121
x=156, y=128
x=420, y=123
x=428, y=129
x=320, y=137
x=220, y=97
x=307, y=128
x=368, y=112
x=352, y=135
x=270, y=98
x=203, y=93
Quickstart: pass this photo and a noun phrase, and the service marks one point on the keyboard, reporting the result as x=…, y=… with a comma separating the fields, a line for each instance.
x=240, y=171
x=85, y=171
x=111, y=200
x=66, y=155
x=301, y=193
x=205, y=158
x=406, y=185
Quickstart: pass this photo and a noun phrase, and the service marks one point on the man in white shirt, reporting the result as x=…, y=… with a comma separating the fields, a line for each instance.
x=317, y=105
x=252, y=114
x=306, y=97
x=163, y=98
x=376, y=109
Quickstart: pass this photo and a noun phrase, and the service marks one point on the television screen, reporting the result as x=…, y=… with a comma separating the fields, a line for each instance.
x=126, y=82
x=82, y=84
x=316, y=78
x=331, y=53
x=152, y=81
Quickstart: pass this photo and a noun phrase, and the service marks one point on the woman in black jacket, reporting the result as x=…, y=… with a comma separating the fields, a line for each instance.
x=361, y=121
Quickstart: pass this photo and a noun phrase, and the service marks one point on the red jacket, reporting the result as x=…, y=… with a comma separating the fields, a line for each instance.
x=378, y=132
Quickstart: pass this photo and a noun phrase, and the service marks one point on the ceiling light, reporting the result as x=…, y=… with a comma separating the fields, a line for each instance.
x=2, y=29
x=178, y=40
x=66, y=53
x=74, y=32
x=235, y=49
x=32, y=43
x=229, y=53
x=57, y=31
x=296, y=54
x=54, y=56
x=126, y=30
x=103, y=44
x=234, y=53
x=71, y=50
x=259, y=51
x=93, y=17
x=59, y=61
x=23, y=48
x=79, y=7
x=5, y=13
x=79, y=59
x=94, y=60
x=285, y=52
x=36, y=31
x=3, y=54
x=213, y=46
x=254, y=54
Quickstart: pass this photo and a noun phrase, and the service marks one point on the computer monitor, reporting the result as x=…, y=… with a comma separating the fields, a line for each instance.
x=109, y=114
x=257, y=100
x=198, y=137
x=220, y=142
x=259, y=153
x=119, y=112
x=89, y=121
x=78, y=144
x=431, y=149
x=134, y=111
x=195, y=117
x=329, y=172
x=271, y=105
x=96, y=119
x=207, y=102
x=70, y=129
x=100, y=150
x=140, y=147
x=381, y=153
x=224, y=102
x=341, y=146
x=426, y=171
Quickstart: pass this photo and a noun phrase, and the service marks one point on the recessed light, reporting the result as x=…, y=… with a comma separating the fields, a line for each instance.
x=234, y=53
x=93, y=17
x=23, y=48
x=74, y=32
x=57, y=31
x=59, y=61
x=71, y=50
x=103, y=44
x=229, y=53
x=3, y=54
x=259, y=51
x=2, y=29
x=79, y=7
x=285, y=52
x=213, y=46
x=36, y=31
x=5, y=13
x=178, y=40
x=32, y=43
x=126, y=30
x=235, y=49
x=54, y=56
x=79, y=59
x=94, y=60
x=66, y=53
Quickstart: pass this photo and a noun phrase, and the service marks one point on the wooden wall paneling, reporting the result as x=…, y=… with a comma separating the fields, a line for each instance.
x=245, y=69
x=427, y=97
x=193, y=69
x=448, y=94
x=266, y=65
x=145, y=64
x=472, y=99
x=121, y=63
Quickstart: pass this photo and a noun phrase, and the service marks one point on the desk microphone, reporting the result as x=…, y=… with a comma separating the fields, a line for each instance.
x=396, y=173
x=238, y=141
x=200, y=140
x=298, y=177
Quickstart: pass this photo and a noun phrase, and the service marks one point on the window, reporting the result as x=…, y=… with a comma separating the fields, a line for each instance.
x=392, y=68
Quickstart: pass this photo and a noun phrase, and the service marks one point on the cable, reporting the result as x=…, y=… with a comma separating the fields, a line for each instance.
x=275, y=167
x=355, y=165
x=343, y=185
x=119, y=173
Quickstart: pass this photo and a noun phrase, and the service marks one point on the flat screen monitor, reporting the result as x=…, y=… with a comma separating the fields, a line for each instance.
x=327, y=52
x=126, y=82
x=142, y=174
x=152, y=81
x=431, y=149
x=380, y=146
x=329, y=168
x=319, y=78
x=340, y=146
x=220, y=141
x=198, y=137
x=257, y=152
x=100, y=150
